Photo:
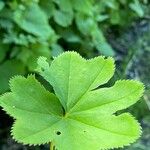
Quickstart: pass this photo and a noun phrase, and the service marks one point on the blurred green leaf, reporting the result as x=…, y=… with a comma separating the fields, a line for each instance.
x=63, y=18
x=8, y=69
x=115, y=17
x=48, y=8
x=56, y=50
x=70, y=36
x=1, y=5
x=113, y=4
x=85, y=23
x=29, y=55
x=33, y=20
x=101, y=18
x=84, y=6
x=100, y=43
x=64, y=5
x=136, y=6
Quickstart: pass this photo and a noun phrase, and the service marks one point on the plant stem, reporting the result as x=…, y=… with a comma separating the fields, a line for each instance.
x=52, y=147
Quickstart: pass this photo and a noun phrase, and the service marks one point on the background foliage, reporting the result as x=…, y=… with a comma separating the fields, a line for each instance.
x=118, y=28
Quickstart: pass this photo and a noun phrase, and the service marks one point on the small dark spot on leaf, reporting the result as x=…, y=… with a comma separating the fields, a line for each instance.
x=58, y=132
x=84, y=131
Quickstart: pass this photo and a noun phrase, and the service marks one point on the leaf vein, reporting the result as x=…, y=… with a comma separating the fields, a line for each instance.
x=88, y=87
x=123, y=134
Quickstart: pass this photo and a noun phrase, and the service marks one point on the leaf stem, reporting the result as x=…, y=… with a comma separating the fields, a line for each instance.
x=52, y=147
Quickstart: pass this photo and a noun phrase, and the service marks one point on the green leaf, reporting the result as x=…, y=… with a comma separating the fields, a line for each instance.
x=29, y=55
x=64, y=5
x=56, y=50
x=69, y=67
x=8, y=69
x=101, y=18
x=101, y=44
x=111, y=4
x=64, y=15
x=20, y=39
x=63, y=18
x=115, y=17
x=85, y=23
x=48, y=8
x=36, y=24
x=70, y=36
x=80, y=116
x=84, y=6
x=113, y=102
x=1, y=5
x=136, y=6
x=104, y=48
x=42, y=106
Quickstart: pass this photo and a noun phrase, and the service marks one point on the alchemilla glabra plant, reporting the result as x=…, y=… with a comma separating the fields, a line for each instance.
x=79, y=116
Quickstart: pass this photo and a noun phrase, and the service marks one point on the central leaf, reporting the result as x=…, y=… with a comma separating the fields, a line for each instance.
x=80, y=116
x=72, y=77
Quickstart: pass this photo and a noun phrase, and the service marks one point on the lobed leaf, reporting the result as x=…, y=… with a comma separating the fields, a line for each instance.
x=109, y=100
x=81, y=116
x=70, y=72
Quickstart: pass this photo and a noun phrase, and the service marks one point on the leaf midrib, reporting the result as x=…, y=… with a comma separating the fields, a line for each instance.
x=87, y=88
x=81, y=122
x=35, y=112
x=108, y=102
x=68, y=81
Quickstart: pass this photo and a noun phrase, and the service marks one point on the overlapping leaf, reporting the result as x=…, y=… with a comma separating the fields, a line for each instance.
x=79, y=116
